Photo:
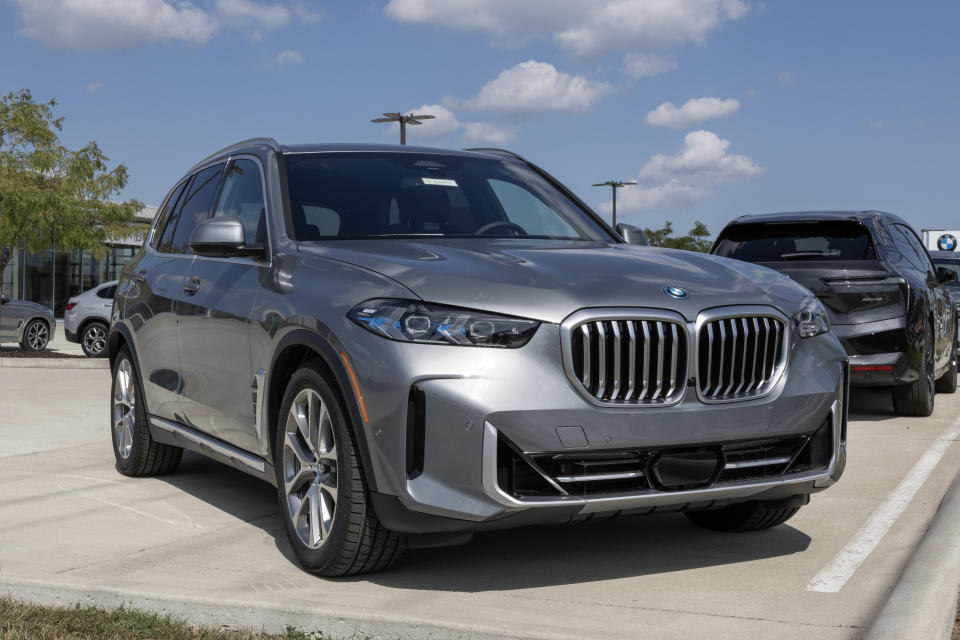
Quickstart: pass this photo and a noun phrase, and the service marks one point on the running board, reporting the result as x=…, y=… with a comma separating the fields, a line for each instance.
x=176, y=434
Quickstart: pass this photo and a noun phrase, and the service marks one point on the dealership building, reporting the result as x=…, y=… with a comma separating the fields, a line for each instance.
x=51, y=277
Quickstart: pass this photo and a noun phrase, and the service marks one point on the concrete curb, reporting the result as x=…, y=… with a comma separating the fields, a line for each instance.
x=55, y=363
x=923, y=603
x=249, y=615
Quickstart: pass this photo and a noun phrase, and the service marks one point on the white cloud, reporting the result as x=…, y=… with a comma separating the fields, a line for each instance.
x=532, y=88
x=305, y=14
x=488, y=132
x=693, y=112
x=98, y=25
x=242, y=13
x=581, y=28
x=692, y=174
x=444, y=123
x=787, y=78
x=93, y=87
x=644, y=65
x=287, y=56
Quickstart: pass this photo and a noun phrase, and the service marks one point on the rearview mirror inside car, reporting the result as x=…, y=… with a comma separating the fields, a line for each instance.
x=223, y=238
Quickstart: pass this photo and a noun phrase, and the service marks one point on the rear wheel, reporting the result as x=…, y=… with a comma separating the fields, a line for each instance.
x=93, y=341
x=136, y=452
x=947, y=383
x=36, y=336
x=916, y=398
x=745, y=516
x=326, y=510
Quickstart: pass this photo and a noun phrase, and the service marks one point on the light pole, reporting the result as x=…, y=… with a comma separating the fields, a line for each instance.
x=404, y=120
x=614, y=184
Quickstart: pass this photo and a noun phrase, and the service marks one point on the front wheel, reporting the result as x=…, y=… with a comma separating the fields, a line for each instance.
x=745, y=516
x=36, y=336
x=916, y=398
x=947, y=383
x=326, y=511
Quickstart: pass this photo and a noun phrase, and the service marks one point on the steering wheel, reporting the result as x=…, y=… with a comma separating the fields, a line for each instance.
x=511, y=226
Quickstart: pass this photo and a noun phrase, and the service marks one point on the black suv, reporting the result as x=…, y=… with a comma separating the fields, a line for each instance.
x=885, y=298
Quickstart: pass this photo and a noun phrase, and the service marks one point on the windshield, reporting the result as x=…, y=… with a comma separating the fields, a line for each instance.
x=779, y=242
x=952, y=265
x=383, y=195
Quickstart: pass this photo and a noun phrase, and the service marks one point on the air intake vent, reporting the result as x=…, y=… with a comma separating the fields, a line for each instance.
x=740, y=357
x=630, y=361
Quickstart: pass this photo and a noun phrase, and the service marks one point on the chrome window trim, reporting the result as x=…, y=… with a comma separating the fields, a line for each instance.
x=575, y=320
x=742, y=311
x=268, y=245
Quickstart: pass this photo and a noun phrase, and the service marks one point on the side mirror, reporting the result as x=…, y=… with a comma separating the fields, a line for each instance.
x=4, y=298
x=632, y=234
x=222, y=238
x=945, y=275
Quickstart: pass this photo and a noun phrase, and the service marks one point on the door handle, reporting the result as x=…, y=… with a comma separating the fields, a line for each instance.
x=192, y=286
x=140, y=276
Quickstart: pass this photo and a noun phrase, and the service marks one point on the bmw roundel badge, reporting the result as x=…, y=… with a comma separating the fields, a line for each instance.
x=675, y=292
x=947, y=242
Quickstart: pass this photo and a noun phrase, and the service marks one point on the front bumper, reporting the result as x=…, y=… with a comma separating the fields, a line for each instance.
x=433, y=434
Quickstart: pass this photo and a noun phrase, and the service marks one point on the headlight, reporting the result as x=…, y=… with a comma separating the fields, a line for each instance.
x=812, y=319
x=413, y=321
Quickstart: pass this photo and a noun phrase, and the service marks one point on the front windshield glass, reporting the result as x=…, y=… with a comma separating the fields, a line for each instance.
x=383, y=195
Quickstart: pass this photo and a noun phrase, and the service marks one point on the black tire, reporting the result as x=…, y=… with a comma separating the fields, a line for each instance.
x=355, y=541
x=745, y=516
x=36, y=335
x=139, y=455
x=917, y=398
x=947, y=383
x=93, y=340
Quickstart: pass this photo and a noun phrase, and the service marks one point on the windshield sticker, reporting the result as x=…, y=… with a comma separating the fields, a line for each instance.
x=440, y=182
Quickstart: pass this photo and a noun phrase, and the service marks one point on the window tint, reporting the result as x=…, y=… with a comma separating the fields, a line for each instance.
x=195, y=208
x=164, y=217
x=910, y=248
x=951, y=265
x=242, y=198
x=107, y=292
x=821, y=240
x=368, y=195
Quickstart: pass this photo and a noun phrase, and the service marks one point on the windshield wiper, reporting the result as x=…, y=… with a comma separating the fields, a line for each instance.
x=794, y=255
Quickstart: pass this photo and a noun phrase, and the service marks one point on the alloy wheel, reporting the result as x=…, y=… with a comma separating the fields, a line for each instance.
x=95, y=340
x=124, y=408
x=310, y=468
x=37, y=336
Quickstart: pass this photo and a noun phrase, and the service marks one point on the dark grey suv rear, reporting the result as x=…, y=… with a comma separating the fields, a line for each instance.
x=416, y=344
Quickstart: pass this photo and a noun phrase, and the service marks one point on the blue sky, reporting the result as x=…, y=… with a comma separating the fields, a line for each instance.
x=793, y=105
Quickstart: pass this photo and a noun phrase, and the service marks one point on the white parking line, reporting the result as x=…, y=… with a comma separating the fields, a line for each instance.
x=833, y=576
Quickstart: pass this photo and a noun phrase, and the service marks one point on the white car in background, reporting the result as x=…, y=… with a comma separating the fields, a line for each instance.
x=87, y=318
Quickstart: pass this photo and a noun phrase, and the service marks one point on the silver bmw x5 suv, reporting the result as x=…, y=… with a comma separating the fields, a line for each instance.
x=415, y=344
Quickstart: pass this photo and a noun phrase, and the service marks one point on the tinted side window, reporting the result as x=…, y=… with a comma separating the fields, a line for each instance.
x=164, y=217
x=242, y=198
x=910, y=248
x=166, y=240
x=196, y=206
x=107, y=292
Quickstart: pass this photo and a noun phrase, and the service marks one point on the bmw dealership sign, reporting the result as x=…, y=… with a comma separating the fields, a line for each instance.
x=941, y=239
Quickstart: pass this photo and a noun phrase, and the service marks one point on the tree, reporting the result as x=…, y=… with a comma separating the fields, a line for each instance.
x=52, y=197
x=698, y=239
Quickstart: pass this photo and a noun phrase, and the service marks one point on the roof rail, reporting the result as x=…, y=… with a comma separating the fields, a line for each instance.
x=497, y=152
x=269, y=142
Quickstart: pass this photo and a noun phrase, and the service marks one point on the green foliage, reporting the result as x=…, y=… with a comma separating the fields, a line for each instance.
x=698, y=239
x=52, y=197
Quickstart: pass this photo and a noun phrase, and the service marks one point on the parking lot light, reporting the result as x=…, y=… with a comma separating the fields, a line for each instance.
x=614, y=185
x=404, y=120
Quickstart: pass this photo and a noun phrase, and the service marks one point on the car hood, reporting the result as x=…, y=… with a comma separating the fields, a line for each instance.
x=23, y=307
x=549, y=280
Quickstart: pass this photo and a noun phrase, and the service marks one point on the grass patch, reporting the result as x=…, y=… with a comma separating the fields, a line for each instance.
x=20, y=621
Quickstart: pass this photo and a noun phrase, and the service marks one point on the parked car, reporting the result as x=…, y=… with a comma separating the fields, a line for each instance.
x=87, y=318
x=950, y=260
x=414, y=344
x=885, y=298
x=29, y=323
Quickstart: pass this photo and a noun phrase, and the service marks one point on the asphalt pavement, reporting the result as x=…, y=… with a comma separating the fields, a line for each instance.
x=207, y=543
